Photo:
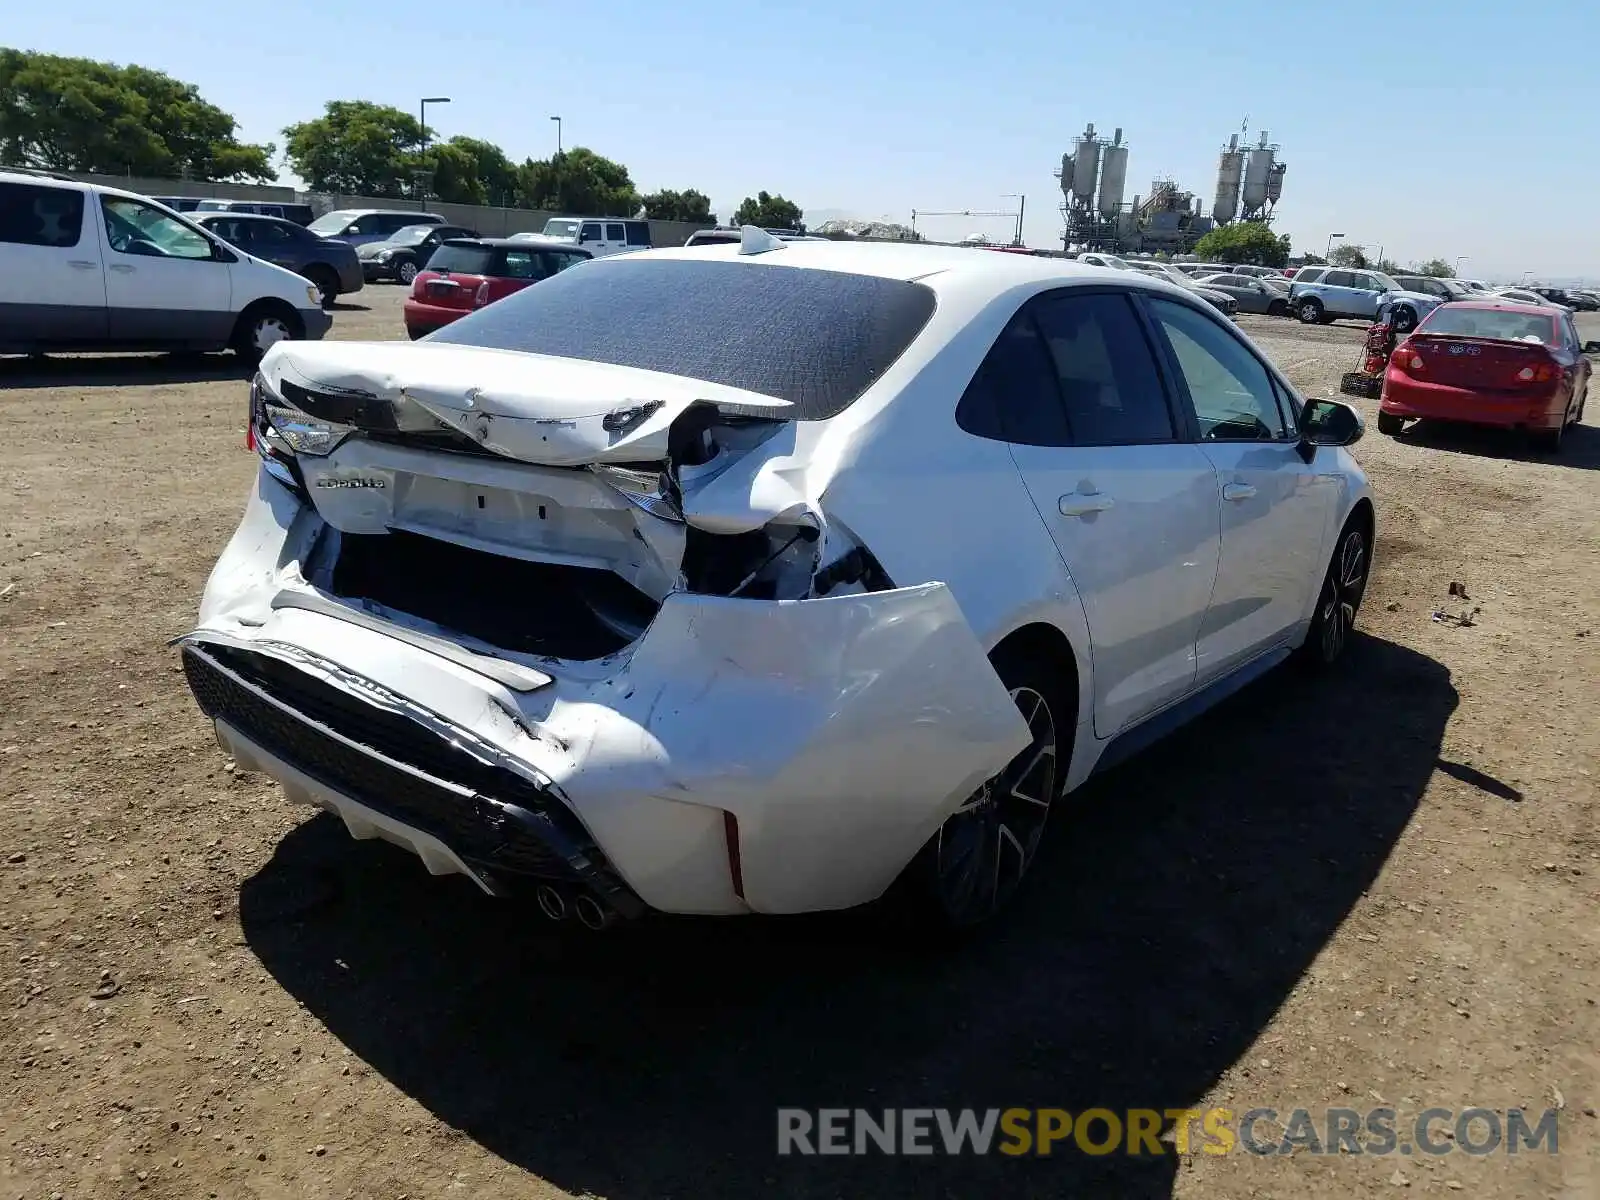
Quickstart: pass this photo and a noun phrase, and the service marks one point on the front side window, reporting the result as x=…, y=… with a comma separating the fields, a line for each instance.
x=1105, y=370
x=522, y=264
x=134, y=227
x=1232, y=394
x=40, y=216
x=555, y=261
x=591, y=232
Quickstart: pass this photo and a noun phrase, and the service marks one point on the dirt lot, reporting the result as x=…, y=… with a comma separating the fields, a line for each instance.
x=1384, y=886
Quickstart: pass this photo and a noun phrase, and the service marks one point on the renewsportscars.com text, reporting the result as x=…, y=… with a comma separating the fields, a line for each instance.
x=1150, y=1131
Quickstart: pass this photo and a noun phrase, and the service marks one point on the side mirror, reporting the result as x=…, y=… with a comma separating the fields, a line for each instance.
x=1330, y=423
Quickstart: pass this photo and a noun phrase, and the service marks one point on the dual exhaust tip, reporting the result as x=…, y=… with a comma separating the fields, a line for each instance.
x=558, y=904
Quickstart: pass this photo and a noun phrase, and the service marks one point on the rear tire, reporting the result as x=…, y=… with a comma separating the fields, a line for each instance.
x=1278, y=308
x=1309, y=311
x=1390, y=424
x=974, y=865
x=263, y=325
x=1549, y=441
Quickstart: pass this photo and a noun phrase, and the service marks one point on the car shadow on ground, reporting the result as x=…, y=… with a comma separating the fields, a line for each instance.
x=120, y=370
x=1162, y=930
x=348, y=306
x=1580, y=447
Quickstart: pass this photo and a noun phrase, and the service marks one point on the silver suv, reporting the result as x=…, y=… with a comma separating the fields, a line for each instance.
x=1320, y=295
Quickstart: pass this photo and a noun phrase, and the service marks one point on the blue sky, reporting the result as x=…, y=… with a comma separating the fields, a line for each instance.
x=1431, y=129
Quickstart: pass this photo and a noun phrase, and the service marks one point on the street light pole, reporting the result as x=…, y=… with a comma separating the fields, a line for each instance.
x=1460, y=258
x=422, y=119
x=557, y=120
x=1327, y=254
x=1022, y=206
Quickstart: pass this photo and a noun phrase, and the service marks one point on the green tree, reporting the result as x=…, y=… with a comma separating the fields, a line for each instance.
x=494, y=173
x=356, y=147
x=1349, y=254
x=76, y=114
x=1387, y=265
x=580, y=182
x=769, y=212
x=690, y=205
x=1244, y=242
x=1436, y=267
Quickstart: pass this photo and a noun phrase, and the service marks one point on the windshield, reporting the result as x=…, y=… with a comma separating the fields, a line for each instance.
x=333, y=222
x=557, y=228
x=1496, y=323
x=1111, y=260
x=411, y=234
x=815, y=338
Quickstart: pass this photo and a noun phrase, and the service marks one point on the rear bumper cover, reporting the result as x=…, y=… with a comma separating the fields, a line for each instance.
x=1406, y=397
x=428, y=317
x=837, y=733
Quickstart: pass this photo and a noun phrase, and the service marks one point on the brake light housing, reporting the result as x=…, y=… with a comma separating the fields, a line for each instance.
x=1538, y=373
x=1407, y=358
x=481, y=296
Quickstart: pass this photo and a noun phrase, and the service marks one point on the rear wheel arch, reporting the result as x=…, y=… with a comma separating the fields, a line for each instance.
x=1043, y=642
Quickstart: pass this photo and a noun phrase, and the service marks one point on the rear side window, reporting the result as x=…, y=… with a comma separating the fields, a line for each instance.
x=38, y=216
x=817, y=339
x=638, y=233
x=1013, y=397
x=1339, y=279
x=1105, y=369
x=616, y=233
x=1309, y=275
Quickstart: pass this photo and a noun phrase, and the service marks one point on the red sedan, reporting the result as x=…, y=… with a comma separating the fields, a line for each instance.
x=464, y=274
x=1519, y=366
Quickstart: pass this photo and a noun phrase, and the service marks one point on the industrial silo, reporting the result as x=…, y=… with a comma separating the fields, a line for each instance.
x=1085, y=166
x=1066, y=175
x=1230, y=173
x=1275, y=182
x=1113, y=175
x=1257, y=171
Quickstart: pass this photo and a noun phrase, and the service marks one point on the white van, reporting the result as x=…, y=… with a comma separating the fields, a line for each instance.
x=600, y=236
x=94, y=268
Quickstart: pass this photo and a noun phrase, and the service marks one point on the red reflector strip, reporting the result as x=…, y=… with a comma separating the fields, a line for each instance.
x=730, y=830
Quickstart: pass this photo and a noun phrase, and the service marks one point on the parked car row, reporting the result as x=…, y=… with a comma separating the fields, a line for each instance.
x=1218, y=299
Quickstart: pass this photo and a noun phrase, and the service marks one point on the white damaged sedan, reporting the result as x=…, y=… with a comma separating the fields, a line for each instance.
x=767, y=577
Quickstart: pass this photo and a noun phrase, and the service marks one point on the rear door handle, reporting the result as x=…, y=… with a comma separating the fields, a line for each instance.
x=1082, y=504
x=1237, y=491
x=124, y=268
x=81, y=264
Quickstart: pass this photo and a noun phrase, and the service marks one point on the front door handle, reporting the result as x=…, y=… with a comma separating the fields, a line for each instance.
x=1237, y=491
x=124, y=268
x=1082, y=504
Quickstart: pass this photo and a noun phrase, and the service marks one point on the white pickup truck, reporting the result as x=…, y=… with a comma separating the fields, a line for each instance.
x=84, y=267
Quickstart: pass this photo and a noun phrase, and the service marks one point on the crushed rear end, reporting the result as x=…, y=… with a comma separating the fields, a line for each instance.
x=556, y=624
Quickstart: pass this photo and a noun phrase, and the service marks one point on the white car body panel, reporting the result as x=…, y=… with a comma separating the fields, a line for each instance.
x=838, y=731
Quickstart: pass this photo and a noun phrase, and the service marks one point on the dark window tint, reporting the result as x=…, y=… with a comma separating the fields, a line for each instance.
x=37, y=216
x=591, y=233
x=815, y=338
x=616, y=233
x=1309, y=275
x=271, y=235
x=1233, y=396
x=555, y=260
x=520, y=264
x=1107, y=373
x=1014, y=397
x=466, y=260
x=638, y=233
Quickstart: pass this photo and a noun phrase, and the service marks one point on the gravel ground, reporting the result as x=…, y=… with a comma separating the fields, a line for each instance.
x=1378, y=888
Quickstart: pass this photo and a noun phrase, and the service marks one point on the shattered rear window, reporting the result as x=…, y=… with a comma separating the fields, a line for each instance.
x=817, y=339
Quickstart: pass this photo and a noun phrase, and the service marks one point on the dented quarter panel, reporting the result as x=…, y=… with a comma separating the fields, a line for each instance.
x=273, y=538
x=839, y=732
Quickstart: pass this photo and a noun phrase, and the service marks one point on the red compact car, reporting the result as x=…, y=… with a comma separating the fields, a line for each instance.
x=464, y=274
x=1520, y=366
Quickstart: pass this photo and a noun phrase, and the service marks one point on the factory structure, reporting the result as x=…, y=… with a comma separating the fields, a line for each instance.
x=1094, y=176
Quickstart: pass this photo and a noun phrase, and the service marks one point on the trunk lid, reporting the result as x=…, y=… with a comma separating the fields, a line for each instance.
x=534, y=408
x=444, y=290
x=1473, y=362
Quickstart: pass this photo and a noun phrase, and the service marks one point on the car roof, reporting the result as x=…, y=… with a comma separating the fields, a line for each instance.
x=1548, y=310
x=507, y=243
x=213, y=214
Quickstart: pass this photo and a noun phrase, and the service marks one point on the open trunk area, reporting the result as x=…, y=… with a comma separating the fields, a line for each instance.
x=527, y=607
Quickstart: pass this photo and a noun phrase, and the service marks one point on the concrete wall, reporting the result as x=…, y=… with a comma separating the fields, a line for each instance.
x=490, y=222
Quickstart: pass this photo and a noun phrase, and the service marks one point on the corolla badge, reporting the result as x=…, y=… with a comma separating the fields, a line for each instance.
x=334, y=481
